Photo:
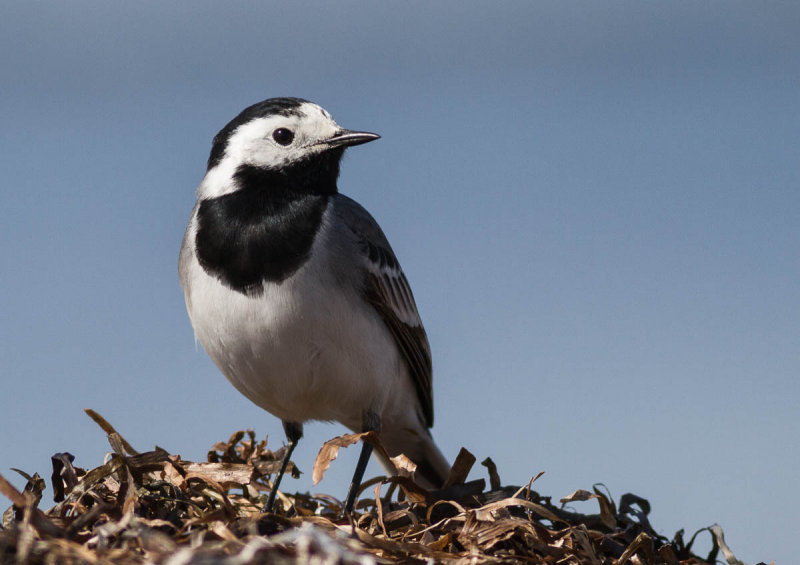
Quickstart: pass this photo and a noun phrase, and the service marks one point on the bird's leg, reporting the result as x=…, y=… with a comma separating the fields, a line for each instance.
x=371, y=423
x=294, y=432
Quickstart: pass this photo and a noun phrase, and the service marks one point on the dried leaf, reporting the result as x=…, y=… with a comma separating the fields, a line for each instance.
x=35, y=484
x=64, y=477
x=32, y=514
x=391, y=546
x=109, y=429
x=627, y=500
x=586, y=544
x=11, y=493
x=484, y=513
x=607, y=510
x=226, y=474
x=460, y=469
x=329, y=452
x=579, y=495
x=442, y=542
x=494, y=477
x=668, y=555
x=719, y=538
x=405, y=466
x=643, y=542
x=154, y=507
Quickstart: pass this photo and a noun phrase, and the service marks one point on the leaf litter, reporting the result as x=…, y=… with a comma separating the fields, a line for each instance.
x=155, y=507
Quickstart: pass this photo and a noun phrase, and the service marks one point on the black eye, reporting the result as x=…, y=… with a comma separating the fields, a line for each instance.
x=283, y=136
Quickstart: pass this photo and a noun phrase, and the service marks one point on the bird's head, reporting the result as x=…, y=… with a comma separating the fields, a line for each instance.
x=289, y=140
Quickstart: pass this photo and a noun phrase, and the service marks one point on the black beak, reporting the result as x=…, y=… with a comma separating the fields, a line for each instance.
x=348, y=138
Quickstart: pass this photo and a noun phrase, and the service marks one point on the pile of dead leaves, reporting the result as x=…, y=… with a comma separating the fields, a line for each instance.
x=154, y=507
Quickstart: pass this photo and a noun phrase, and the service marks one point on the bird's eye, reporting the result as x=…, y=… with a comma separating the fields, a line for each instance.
x=283, y=136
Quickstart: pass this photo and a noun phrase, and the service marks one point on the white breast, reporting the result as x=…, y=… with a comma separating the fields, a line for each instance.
x=302, y=343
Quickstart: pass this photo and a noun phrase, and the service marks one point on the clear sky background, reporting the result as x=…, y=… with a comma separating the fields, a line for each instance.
x=597, y=206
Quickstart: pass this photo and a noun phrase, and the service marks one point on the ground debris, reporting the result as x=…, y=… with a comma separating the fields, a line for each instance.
x=154, y=507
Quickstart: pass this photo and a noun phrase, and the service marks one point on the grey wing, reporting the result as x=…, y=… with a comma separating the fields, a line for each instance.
x=388, y=291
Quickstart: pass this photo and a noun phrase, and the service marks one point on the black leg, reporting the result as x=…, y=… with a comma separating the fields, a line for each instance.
x=371, y=423
x=294, y=432
x=366, y=451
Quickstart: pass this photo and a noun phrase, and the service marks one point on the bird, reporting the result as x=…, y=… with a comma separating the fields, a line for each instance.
x=296, y=295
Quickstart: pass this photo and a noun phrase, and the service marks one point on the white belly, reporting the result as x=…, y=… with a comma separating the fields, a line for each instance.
x=298, y=352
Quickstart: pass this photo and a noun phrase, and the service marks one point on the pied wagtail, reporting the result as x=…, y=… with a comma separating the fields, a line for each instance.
x=295, y=293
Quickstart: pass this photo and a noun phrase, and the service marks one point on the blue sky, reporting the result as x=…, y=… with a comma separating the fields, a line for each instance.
x=597, y=206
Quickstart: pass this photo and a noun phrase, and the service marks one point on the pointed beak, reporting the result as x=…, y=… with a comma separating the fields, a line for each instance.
x=348, y=138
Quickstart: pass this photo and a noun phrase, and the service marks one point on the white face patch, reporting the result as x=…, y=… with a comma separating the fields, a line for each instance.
x=254, y=144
